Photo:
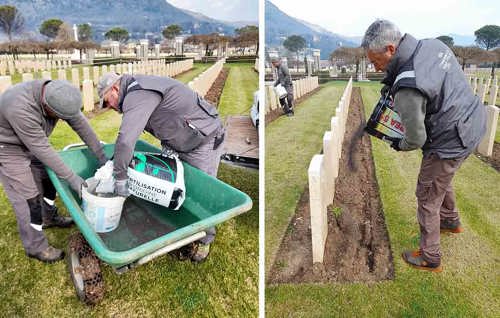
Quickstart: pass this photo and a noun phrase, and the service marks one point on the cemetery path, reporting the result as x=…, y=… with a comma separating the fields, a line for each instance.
x=357, y=246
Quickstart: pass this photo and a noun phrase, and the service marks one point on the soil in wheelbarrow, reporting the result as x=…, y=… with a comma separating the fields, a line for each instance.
x=357, y=246
x=215, y=91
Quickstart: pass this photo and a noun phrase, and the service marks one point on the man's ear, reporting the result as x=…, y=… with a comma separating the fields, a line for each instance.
x=391, y=49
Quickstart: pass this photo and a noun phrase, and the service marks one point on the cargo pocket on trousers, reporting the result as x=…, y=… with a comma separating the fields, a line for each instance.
x=423, y=189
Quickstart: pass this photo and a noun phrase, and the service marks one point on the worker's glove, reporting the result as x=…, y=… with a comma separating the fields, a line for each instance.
x=394, y=142
x=76, y=183
x=169, y=152
x=121, y=188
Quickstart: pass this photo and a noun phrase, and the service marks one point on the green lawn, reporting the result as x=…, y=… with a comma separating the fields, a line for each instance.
x=469, y=286
x=241, y=83
x=226, y=283
x=290, y=144
x=197, y=69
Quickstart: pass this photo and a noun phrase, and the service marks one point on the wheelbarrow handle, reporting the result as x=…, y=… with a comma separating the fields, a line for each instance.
x=171, y=247
x=68, y=147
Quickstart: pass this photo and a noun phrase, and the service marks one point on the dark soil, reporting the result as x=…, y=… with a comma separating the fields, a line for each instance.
x=274, y=114
x=357, y=245
x=215, y=91
x=494, y=160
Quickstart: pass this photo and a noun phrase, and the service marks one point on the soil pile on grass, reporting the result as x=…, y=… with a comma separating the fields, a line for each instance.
x=357, y=246
x=215, y=91
x=494, y=160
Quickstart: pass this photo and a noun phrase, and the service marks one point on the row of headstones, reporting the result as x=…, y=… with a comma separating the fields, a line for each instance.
x=300, y=88
x=481, y=86
x=28, y=66
x=202, y=83
x=322, y=172
x=87, y=86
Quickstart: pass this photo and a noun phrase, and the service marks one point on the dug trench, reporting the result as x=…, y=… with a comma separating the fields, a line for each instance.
x=357, y=246
x=214, y=93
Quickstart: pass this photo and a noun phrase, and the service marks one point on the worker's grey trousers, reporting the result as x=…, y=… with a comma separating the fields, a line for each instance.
x=21, y=176
x=206, y=159
x=436, y=202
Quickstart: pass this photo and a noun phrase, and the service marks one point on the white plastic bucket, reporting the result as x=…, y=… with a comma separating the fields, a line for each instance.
x=102, y=213
x=280, y=91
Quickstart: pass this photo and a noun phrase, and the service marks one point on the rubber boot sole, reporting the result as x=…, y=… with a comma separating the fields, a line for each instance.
x=438, y=269
x=456, y=231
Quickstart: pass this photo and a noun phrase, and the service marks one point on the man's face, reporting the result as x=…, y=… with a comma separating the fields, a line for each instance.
x=275, y=63
x=49, y=112
x=381, y=59
x=111, y=97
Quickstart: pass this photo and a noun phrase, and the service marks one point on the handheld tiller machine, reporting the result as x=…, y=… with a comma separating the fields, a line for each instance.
x=384, y=123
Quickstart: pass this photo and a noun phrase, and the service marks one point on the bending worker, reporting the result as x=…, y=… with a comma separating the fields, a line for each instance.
x=441, y=116
x=28, y=113
x=172, y=112
x=285, y=80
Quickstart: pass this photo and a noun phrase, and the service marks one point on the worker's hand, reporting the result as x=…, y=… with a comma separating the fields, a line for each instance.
x=394, y=142
x=121, y=188
x=102, y=161
x=169, y=152
x=384, y=90
x=76, y=183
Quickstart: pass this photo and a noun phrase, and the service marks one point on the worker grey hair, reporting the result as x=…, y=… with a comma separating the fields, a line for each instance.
x=380, y=34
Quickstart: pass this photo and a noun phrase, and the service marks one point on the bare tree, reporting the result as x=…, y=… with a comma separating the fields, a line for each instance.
x=11, y=21
x=350, y=55
x=466, y=54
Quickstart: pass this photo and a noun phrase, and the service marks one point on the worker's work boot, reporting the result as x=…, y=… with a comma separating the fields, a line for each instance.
x=416, y=260
x=201, y=252
x=451, y=226
x=49, y=255
x=50, y=217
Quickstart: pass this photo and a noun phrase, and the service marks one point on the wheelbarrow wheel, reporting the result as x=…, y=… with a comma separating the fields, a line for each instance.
x=85, y=271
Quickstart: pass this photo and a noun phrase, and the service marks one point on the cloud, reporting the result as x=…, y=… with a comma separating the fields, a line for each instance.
x=423, y=18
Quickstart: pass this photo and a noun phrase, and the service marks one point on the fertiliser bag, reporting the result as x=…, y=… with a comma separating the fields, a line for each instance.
x=280, y=91
x=384, y=122
x=158, y=179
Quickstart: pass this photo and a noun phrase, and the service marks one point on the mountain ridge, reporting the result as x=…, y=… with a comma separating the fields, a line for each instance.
x=280, y=25
x=138, y=17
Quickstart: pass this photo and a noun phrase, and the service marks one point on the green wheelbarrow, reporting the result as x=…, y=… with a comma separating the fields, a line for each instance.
x=146, y=230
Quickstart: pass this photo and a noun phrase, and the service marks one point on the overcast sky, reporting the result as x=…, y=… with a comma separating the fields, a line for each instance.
x=228, y=10
x=422, y=18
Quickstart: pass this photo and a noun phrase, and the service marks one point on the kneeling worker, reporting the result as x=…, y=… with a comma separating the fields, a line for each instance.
x=28, y=114
x=172, y=112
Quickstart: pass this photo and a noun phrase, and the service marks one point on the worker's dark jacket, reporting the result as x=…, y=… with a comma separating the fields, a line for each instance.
x=166, y=108
x=24, y=127
x=455, y=120
x=284, y=78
